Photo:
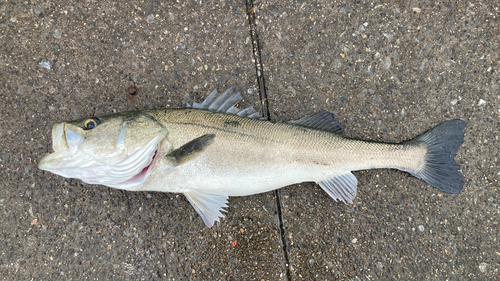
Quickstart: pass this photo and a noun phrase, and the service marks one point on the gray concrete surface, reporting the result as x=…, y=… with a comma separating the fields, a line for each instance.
x=389, y=71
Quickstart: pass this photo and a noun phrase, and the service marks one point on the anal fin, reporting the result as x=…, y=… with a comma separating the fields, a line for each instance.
x=208, y=204
x=342, y=187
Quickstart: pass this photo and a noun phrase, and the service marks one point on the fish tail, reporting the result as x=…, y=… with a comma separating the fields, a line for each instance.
x=440, y=169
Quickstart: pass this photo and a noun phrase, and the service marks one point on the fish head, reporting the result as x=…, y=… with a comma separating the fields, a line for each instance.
x=118, y=150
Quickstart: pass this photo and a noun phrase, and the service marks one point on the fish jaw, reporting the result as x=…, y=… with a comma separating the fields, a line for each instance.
x=58, y=141
x=65, y=145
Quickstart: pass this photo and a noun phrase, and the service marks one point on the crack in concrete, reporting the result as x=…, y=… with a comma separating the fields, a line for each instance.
x=257, y=57
x=266, y=113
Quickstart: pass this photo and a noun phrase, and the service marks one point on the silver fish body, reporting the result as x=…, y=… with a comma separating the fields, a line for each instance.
x=213, y=151
x=251, y=156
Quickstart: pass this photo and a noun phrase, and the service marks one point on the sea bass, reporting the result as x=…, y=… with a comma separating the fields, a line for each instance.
x=213, y=150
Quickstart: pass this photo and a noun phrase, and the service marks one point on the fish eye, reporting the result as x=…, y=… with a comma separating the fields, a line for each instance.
x=90, y=124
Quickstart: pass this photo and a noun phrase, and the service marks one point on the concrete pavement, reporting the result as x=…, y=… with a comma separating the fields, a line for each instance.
x=389, y=70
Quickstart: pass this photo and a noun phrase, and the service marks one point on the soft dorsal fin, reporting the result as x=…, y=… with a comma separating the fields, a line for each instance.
x=208, y=204
x=190, y=150
x=342, y=187
x=322, y=120
x=226, y=103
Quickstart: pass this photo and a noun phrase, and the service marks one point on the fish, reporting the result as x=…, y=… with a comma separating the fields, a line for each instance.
x=211, y=150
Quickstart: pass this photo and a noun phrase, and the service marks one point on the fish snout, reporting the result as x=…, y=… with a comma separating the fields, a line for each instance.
x=49, y=162
x=58, y=137
x=64, y=142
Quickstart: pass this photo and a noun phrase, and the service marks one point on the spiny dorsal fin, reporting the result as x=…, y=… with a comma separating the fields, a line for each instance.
x=225, y=103
x=322, y=120
x=190, y=150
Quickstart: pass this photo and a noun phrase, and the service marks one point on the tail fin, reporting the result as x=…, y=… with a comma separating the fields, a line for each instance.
x=441, y=170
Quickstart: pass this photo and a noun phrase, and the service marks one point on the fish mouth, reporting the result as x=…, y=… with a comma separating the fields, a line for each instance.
x=59, y=140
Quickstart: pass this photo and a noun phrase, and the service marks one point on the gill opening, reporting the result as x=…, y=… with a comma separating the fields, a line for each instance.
x=121, y=138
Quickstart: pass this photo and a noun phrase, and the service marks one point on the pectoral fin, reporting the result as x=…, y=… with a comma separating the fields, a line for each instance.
x=342, y=187
x=209, y=205
x=190, y=150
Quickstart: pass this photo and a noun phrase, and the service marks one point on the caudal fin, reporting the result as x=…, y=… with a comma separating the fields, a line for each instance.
x=441, y=170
